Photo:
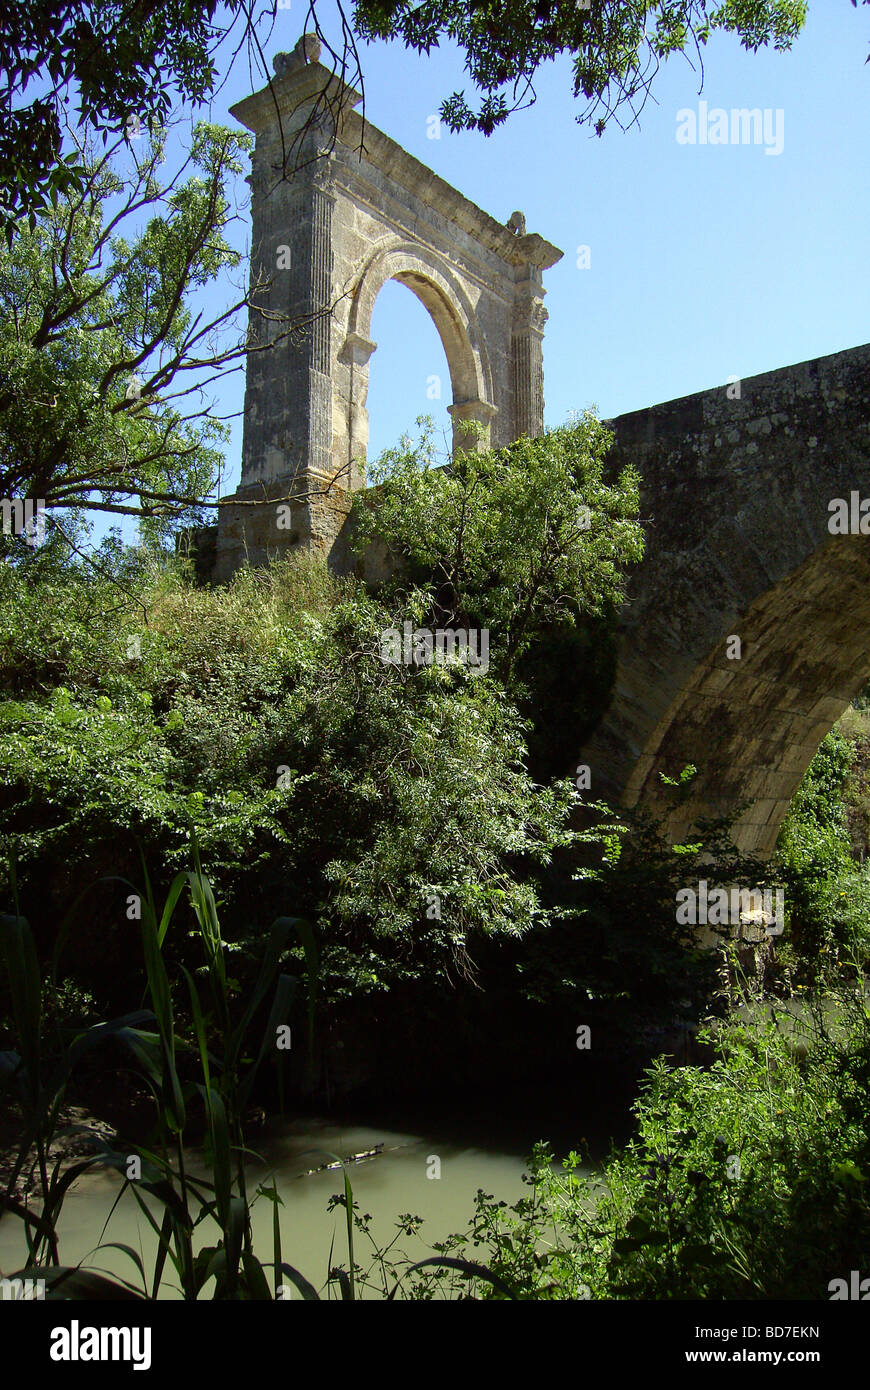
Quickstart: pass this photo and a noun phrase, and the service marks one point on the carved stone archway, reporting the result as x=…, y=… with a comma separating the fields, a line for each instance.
x=338, y=208
x=429, y=276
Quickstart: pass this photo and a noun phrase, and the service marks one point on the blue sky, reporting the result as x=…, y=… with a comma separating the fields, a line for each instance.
x=706, y=261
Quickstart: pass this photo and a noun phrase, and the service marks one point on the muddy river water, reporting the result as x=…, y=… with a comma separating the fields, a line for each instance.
x=432, y=1171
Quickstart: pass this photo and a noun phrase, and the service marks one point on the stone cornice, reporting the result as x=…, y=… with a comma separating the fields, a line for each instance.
x=296, y=89
x=290, y=92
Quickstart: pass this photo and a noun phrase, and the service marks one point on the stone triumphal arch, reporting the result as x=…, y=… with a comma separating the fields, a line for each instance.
x=338, y=209
x=744, y=633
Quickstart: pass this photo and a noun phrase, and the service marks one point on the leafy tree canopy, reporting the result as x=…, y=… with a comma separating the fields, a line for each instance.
x=616, y=46
x=112, y=61
x=391, y=805
x=105, y=351
x=515, y=540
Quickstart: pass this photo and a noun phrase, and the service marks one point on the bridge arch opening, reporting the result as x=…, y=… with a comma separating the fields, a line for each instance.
x=752, y=723
x=737, y=500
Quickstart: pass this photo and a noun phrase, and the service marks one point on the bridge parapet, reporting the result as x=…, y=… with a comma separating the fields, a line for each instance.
x=747, y=627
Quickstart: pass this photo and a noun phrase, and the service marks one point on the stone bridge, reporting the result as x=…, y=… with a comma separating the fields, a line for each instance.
x=747, y=627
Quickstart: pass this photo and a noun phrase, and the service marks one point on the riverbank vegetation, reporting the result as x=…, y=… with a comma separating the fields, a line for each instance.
x=430, y=871
x=746, y=1179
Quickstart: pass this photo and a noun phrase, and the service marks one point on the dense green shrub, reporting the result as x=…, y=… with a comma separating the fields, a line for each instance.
x=615, y=949
x=398, y=806
x=391, y=803
x=825, y=890
x=532, y=542
x=747, y=1179
x=855, y=726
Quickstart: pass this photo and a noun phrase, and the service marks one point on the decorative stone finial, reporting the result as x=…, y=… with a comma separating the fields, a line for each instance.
x=307, y=50
x=517, y=223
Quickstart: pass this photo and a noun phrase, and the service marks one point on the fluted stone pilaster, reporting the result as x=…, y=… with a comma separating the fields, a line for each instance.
x=527, y=360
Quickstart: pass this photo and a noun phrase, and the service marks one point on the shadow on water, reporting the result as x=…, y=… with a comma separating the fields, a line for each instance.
x=587, y=1116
